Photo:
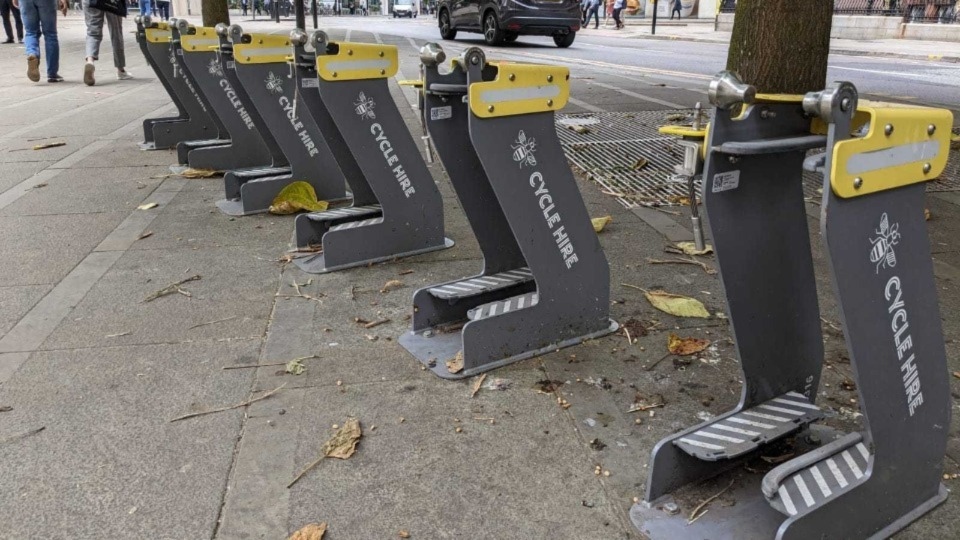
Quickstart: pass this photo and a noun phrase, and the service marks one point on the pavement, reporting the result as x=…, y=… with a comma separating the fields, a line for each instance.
x=103, y=372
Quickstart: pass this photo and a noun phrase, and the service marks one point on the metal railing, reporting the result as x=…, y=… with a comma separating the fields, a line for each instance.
x=915, y=11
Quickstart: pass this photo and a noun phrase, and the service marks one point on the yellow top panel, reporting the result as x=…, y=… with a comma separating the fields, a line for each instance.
x=778, y=98
x=356, y=61
x=521, y=89
x=204, y=40
x=915, y=150
x=684, y=131
x=160, y=34
x=263, y=49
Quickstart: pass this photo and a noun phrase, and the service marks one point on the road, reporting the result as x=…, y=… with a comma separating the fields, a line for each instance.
x=675, y=72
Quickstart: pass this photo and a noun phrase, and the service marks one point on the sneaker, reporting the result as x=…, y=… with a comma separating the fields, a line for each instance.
x=33, y=68
x=9, y=40
x=124, y=75
x=88, y=74
x=54, y=79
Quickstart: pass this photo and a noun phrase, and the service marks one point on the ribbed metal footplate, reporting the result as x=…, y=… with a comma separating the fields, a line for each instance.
x=342, y=213
x=822, y=481
x=484, y=284
x=746, y=430
x=354, y=224
x=503, y=306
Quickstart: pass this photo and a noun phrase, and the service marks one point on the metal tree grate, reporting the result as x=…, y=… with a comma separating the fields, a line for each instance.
x=611, y=147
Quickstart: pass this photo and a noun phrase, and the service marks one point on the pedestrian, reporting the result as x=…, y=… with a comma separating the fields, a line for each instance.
x=594, y=11
x=6, y=9
x=163, y=9
x=618, y=6
x=584, y=8
x=243, y=8
x=95, y=19
x=146, y=8
x=677, y=6
x=40, y=18
x=256, y=8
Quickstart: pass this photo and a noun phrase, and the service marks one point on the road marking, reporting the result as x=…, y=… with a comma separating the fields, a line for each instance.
x=642, y=97
x=915, y=76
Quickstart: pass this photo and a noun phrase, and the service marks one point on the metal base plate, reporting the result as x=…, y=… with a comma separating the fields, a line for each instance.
x=234, y=207
x=435, y=349
x=148, y=145
x=317, y=263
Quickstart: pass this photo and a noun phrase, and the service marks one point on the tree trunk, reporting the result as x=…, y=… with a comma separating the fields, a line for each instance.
x=214, y=12
x=781, y=46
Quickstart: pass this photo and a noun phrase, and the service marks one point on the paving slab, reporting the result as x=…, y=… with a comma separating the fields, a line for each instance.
x=17, y=301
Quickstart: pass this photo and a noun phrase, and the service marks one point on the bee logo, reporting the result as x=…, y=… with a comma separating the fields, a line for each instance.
x=881, y=251
x=214, y=68
x=274, y=84
x=364, y=107
x=523, y=149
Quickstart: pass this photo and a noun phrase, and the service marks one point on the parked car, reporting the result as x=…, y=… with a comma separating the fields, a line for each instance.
x=504, y=20
x=404, y=8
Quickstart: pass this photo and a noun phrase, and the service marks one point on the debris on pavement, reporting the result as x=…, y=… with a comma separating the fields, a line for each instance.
x=403, y=534
x=272, y=364
x=600, y=382
x=455, y=364
x=5, y=408
x=173, y=288
x=547, y=386
x=342, y=445
x=640, y=163
x=600, y=222
x=641, y=403
x=190, y=172
x=597, y=444
x=295, y=367
x=22, y=435
x=697, y=514
x=677, y=305
x=709, y=270
x=498, y=384
x=685, y=346
x=230, y=407
x=119, y=335
x=391, y=285
x=375, y=323
x=312, y=531
x=147, y=206
x=296, y=197
x=147, y=234
x=44, y=146
x=476, y=385
x=690, y=248
x=212, y=322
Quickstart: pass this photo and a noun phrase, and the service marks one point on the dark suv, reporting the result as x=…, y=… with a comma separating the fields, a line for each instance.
x=504, y=20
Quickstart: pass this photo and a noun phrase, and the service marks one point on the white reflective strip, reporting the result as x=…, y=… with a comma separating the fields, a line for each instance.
x=493, y=309
x=719, y=437
x=746, y=422
x=804, y=492
x=471, y=285
x=357, y=65
x=699, y=444
x=514, y=274
x=863, y=451
x=459, y=288
x=497, y=279
x=746, y=432
x=443, y=290
x=766, y=416
x=787, y=501
x=254, y=52
x=782, y=409
x=837, y=473
x=506, y=306
x=796, y=403
x=852, y=464
x=484, y=282
x=520, y=302
x=796, y=394
x=892, y=157
x=518, y=94
x=200, y=41
x=525, y=270
x=824, y=488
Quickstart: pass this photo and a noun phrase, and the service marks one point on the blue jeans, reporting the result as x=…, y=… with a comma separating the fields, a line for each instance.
x=40, y=18
x=146, y=8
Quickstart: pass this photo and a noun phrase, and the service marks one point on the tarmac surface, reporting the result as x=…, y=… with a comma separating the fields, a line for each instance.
x=103, y=372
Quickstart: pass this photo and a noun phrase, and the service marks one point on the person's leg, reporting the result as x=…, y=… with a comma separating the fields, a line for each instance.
x=596, y=17
x=18, y=22
x=5, y=6
x=115, y=24
x=94, y=19
x=47, y=14
x=146, y=7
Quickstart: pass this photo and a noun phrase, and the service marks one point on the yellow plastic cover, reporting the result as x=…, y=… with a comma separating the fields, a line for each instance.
x=357, y=61
x=203, y=40
x=263, y=49
x=521, y=89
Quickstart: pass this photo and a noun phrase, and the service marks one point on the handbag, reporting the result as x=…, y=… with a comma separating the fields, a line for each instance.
x=117, y=7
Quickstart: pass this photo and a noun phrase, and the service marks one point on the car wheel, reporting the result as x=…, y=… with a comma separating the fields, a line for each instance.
x=510, y=37
x=564, y=40
x=446, y=31
x=491, y=29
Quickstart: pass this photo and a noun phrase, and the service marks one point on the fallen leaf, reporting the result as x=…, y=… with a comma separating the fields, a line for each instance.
x=403, y=534
x=5, y=408
x=600, y=222
x=54, y=144
x=313, y=531
x=640, y=163
x=344, y=442
x=690, y=248
x=190, y=172
x=147, y=234
x=579, y=129
x=685, y=346
x=295, y=367
x=956, y=374
x=295, y=197
x=147, y=206
x=455, y=365
x=774, y=460
x=641, y=404
x=547, y=386
x=41, y=185
x=927, y=214
x=635, y=328
x=675, y=304
x=476, y=384
x=391, y=285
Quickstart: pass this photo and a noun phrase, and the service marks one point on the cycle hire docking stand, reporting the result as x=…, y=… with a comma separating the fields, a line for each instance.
x=207, y=59
x=261, y=65
x=406, y=217
x=545, y=281
x=192, y=121
x=867, y=484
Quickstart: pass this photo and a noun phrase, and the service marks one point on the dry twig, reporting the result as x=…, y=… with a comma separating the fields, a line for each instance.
x=237, y=406
x=23, y=435
x=375, y=323
x=706, y=268
x=272, y=364
x=694, y=516
x=172, y=288
x=212, y=322
x=476, y=384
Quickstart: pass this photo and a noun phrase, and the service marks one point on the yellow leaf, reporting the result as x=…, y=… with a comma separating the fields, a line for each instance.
x=690, y=248
x=43, y=146
x=190, y=172
x=685, y=346
x=600, y=222
x=674, y=304
x=455, y=365
x=312, y=531
x=343, y=444
x=147, y=206
x=295, y=197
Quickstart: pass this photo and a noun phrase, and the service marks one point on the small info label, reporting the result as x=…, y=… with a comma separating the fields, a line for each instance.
x=726, y=181
x=441, y=113
x=310, y=82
